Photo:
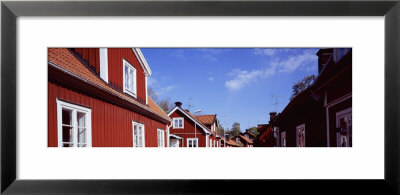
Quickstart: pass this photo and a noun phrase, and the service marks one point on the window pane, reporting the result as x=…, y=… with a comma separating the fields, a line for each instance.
x=67, y=145
x=82, y=145
x=66, y=117
x=131, y=79
x=81, y=135
x=81, y=119
x=126, y=76
x=135, y=141
x=176, y=122
x=67, y=134
x=180, y=123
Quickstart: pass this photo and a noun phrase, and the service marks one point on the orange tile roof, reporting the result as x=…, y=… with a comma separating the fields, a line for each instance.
x=246, y=139
x=63, y=58
x=194, y=117
x=233, y=143
x=206, y=119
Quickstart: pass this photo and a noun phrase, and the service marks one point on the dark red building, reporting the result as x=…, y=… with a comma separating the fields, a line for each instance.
x=321, y=115
x=98, y=97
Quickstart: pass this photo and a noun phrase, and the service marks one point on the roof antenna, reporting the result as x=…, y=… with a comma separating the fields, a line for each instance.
x=276, y=102
x=190, y=105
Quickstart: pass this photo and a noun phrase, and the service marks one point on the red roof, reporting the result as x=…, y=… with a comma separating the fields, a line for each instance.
x=206, y=119
x=246, y=139
x=64, y=59
x=232, y=143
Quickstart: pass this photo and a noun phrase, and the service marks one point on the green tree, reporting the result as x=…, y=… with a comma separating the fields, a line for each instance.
x=165, y=104
x=253, y=130
x=235, y=129
x=302, y=85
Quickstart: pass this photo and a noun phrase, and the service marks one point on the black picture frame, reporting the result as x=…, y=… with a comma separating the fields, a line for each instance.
x=10, y=10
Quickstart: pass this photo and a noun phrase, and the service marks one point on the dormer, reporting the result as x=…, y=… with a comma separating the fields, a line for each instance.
x=123, y=69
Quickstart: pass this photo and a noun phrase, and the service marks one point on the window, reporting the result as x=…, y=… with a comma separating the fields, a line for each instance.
x=344, y=125
x=138, y=134
x=192, y=142
x=283, y=139
x=178, y=123
x=301, y=135
x=237, y=139
x=74, y=125
x=129, y=74
x=160, y=138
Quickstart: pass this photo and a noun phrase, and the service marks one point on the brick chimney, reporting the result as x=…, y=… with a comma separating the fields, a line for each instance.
x=272, y=115
x=178, y=104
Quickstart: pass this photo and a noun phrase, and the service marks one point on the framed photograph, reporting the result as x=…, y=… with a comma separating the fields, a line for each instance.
x=199, y=97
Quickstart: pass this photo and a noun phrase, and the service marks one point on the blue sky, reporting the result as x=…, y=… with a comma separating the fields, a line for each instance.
x=237, y=84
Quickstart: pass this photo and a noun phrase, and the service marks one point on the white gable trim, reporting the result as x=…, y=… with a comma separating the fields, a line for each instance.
x=142, y=61
x=191, y=118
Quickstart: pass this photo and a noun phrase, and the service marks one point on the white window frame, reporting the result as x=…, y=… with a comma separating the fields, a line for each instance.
x=237, y=139
x=283, y=142
x=192, y=139
x=161, y=138
x=134, y=92
x=88, y=121
x=143, y=133
x=297, y=134
x=178, y=118
x=340, y=114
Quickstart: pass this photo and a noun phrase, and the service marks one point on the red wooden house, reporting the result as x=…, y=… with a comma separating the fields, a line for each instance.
x=98, y=97
x=322, y=114
x=188, y=130
x=242, y=140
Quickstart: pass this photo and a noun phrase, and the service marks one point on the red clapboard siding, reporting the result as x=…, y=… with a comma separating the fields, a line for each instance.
x=111, y=124
x=91, y=55
x=188, y=131
x=115, y=71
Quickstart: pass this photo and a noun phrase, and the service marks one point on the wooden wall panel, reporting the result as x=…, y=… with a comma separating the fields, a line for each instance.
x=91, y=56
x=188, y=131
x=111, y=124
x=115, y=60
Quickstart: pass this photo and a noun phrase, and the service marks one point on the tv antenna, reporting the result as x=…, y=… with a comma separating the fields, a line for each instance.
x=276, y=102
x=190, y=105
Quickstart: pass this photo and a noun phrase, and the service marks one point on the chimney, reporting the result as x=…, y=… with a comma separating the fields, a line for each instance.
x=272, y=115
x=178, y=104
x=186, y=110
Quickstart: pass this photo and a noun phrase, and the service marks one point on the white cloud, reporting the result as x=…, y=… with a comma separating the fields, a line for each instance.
x=165, y=90
x=179, y=53
x=269, y=51
x=211, y=54
x=294, y=62
x=211, y=78
x=241, y=78
x=151, y=82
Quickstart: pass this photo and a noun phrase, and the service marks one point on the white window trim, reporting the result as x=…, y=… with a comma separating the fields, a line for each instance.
x=74, y=108
x=143, y=135
x=162, y=138
x=103, y=53
x=338, y=115
x=145, y=83
x=178, y=118
x=297, y=135
x=192, y=139
x=134, y=93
